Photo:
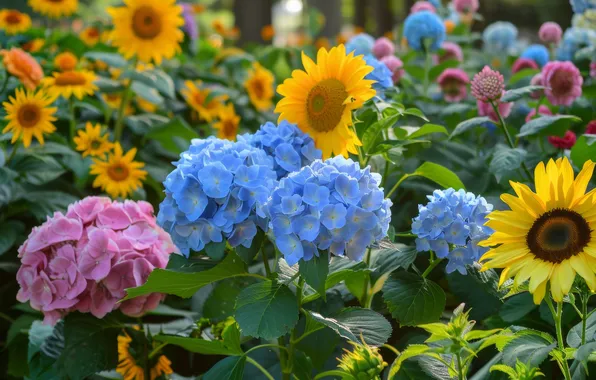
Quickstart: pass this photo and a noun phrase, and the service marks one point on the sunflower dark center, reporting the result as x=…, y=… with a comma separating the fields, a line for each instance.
x=13, y=17
x=325, y=104
x=558, y=235
x=118, y=172
x=29, y=115
x=70, y=78
x=229, y=128
x=93, y=32
x=95, y=144
x=146, y=23
x=258, y=88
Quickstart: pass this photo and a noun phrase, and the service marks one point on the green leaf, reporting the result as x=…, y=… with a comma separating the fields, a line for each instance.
x=142, y=124
x=315, y=271
x=439, y=174
x=529, y=348
x=111, y=59
x=216, y=251
x=465, y=126
x=107, y=85
x=230, y=368
x=413, y=300
x=414, y=112
x=373, y=132
x=583, y=150
x=574, y=336
x=248, y=254
x=185, y=284
x=525, y=73
x=518, y=93
x=517, y=307
x=437, y=70
x=426, y=129
x=156, y=79
x=36, y=169
x=174, y=136
x=266, y=310
x=146, y=92
x=548, y=125
x=44, y=203
x=230, y=345
x=506, y=160
x=506, y=369
x=356, y=324
x=8, y=236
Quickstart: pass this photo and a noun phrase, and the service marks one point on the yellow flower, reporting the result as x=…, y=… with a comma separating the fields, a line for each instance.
x=219, y=27
x=29, y=116
x=78, y=83
x=119, y=176
x=130, y=370
x=145, y=105
x=148, y=29
x=113, y=101
x=259, y=86
x=227, y=126
x=14, y=22
x=54, y=8
x=548, y=235
x=90, y=36
x=320, y=99
x=267, y=32
x=202, y=100
x=34, y=45
x=91, y=142
x=66, y=61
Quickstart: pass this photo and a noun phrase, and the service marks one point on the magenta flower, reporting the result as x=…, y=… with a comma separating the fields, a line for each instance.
x=550, y=33
x=486, y=109
x=466, y=6
x=420, y=6
x=395, y=65
x=537, y=81
x=565, y=142
x=454, y=84
x=85, y=260
x=523, y=63
x=593, y=69
x=383, y=47
x=562, y=82
x=451, y=51
x=591, y=128
x=542, y=110
x=488, y=85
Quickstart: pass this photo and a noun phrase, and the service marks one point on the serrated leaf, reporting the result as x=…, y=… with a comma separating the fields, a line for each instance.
x=517, y=307
x=155, y=78
x=426, y=129
x=518, y=93
x=529, y=349
x=8, y=236
x=248, y=254
x=439, y=174
x=230, y=368
x=465, y=126
x=174, y=136
x=555, y=125
x=111, y=59
x=583, y=150
x=505, y=160
x=230, y=345
x=315, y=271
x=372, y=132
x=574, y=336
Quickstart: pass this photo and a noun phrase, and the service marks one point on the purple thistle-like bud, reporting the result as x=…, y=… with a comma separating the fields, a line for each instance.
x=488, y=85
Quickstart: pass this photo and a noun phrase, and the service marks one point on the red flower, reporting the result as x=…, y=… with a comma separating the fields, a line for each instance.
x=591, y=128
x=565, y=142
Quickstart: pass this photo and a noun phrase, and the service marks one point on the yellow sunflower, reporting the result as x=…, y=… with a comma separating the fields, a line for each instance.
x=259, y=86
x=227, y=126
x=120, y=175
x=548, y=235
x=130, y=370
x=90, y=36
x=145, y=105
x=54, y=8
x=66, y=61
x=113, y=101
x=28, y=115
x=202, y=100
x=14, y=22
x=320, y=99
x=91, y=142
x=149, y=29
x=34, y=45
x=78, y=83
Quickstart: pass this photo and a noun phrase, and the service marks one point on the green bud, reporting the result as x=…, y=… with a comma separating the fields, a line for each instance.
x=363, y=362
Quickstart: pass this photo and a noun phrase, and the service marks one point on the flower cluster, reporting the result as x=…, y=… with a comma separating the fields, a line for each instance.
x=395, y=65
x=574, y=39
x=383, y=47
x=537, y=53
x=217, y=190
x=420, y=6
x=286, y=143
x=488, y=85
x=424, y=30
x=453, y=83
x=452, y=225
x=85, y=259
x=499, y=36
x=580, y=6
x=550, y=33
x=381, y=74
x=562, y=82
x=360, y=44
x=329, y=205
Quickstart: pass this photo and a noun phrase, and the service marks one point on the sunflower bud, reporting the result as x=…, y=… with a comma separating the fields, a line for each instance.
x=363, y=363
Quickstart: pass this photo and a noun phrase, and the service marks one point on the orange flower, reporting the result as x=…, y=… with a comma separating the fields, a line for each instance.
x=198, y=8
x=66, y=61
x=322, y=43
x=219, y=27
x=22, y=66
x=267, y=32
x=449, y=26
x=34, y=45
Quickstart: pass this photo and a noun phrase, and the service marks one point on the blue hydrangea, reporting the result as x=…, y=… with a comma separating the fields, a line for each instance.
x=499, y=36
x=452, y=225
x=435, y=3
x=290, y=148
x=360, y=44
x=580, y=6
x=424, y=26
x=217, y=191
x=574, y=39
x=381, y=75
x=329, y=205
x=537, y=53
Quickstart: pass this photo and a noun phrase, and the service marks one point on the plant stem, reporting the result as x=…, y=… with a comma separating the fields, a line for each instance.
x=15, y=147
x=367, y=298
x=385, y=174
x=260, y=367
x=460, y=370
x=433, y=263
x=287, y=372
x=73, y=120
x=585, y=299
x=157, y=350
x=265, y=259
x=557, y=316
x=427, y=65
x=119, y=126
x=5, y=82
x=403, y=178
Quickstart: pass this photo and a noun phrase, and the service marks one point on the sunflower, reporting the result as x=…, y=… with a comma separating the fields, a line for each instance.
x=113, y=101
x=227, y=126
x=66, y=61
x=259, y=86
x=91, y=142
x=28, y=114
x=146, y=105
x=320, y=100
x=54, y=8
x=130, y=370
x=149, y=29
x=78, y=83
x=548, y=235
x=90, y=36
x=14, y=22
x=202, y=100
x=119, y=176
x=34, y=45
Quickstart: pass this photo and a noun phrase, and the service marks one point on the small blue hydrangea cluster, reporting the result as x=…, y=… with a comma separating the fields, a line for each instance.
x=217, y=190
x=360, y=44
x=381, y=75
x=537, y=53
x=452, y=225
x=499, y=36
x=573, y=40
x=436, y=3
x=287, y=144
x=329, y=205
x=424, y=29
x=580, y=6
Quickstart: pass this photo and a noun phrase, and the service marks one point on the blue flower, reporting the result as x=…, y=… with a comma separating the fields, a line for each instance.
x=452, y=224
x=217, y=190
x=360, y=44
x=424, y=28
x=580, y=6
x=574, y=39
x=289, y=146
x=537, y=53
x=190, y=24
x=435, y=3
x=328, y=205
x=381, y=75
x=499, y=36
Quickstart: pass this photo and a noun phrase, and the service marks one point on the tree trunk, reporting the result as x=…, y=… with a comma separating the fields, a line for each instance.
x=331, y=9
x=250, y=17
x=360, y=13
x=383, y=16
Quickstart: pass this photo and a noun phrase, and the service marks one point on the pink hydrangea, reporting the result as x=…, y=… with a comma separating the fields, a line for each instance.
x=488, y=85
x=420, y=6
x=565, y=142
x=85, y=259
x=450, y=51
x=395, y=65
x=593, y=69
x=523, y=63
x=537, y=81
x=591, y=128
x=486, y=109
x=550, y=33
x=454, y=84
x=466, y=6
x=562, y=82
x=383, y=47
x=542, y=110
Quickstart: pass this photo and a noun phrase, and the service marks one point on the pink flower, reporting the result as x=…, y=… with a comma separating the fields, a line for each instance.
x=454, y=84
x=395, y=65
x=420, y=6
x=486, y=109
x=591, y=128
x=565, y=142
x=542, y=110
x=523, y=63
x=466, y=6
x=537, y=81
x=383, y=47
x=488, y=85
x=562, y=82
x=451, y=51
x=550, y=33
x=593, y=69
